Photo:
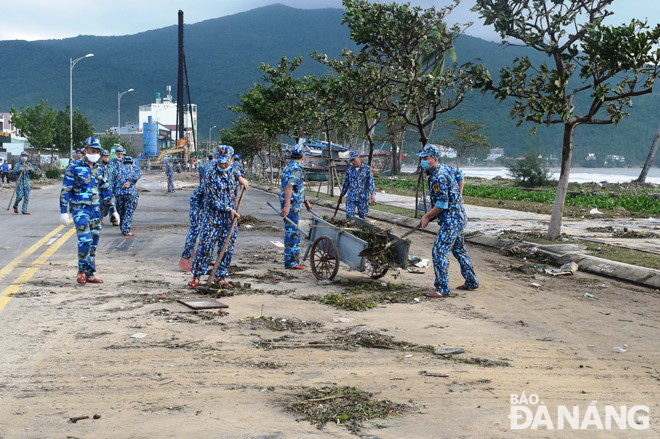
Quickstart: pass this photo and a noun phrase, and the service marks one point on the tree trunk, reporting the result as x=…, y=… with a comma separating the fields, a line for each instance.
x=649, y=160
x=270, y=160
x=554, y=230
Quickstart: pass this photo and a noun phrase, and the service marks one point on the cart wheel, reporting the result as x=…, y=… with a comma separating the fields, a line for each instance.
x=374, y=270
x=324, y=258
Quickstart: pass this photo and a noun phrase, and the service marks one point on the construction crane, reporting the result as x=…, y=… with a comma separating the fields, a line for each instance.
x=182, y=146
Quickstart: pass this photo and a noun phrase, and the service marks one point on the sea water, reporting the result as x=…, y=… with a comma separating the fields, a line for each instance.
x=578, y=175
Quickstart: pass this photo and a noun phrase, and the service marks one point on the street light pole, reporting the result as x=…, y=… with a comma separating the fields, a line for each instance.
x=119, y=95
x=72, y=64
x=208, y=148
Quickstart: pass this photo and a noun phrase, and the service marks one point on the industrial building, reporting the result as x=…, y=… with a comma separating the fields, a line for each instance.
x=160, y=116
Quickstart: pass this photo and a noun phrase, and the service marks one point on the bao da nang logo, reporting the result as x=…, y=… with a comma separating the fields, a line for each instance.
x=530, y=413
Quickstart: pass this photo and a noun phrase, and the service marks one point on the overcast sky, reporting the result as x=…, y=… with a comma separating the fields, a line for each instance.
x=46, y=19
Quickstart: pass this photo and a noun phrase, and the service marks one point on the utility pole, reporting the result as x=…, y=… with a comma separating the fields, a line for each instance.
x=72, y=64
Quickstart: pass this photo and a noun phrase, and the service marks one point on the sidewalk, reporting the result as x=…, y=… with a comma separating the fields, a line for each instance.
x=493, y=221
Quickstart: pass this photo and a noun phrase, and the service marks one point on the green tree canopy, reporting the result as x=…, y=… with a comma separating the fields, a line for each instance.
x=611, y=63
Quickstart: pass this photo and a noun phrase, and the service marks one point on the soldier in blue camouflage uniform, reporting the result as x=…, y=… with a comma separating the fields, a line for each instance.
x=113, y=169
x=83, y=188
x=448, y=208
x=127, y=195
x=22, y=170
x=195, y=215
x=169, y=172
x=358, y=187
x=105, y=170
x=292, y=197
x=219, y=212
x=80, y=153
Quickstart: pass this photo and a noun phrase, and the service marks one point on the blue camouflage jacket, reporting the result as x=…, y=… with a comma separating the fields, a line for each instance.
x=238, y=167
x=444, y=191
x=292, y=175
x=359, y=183
x=128, y=174
x=25, y=179
x=84, y=185
x=218, y=193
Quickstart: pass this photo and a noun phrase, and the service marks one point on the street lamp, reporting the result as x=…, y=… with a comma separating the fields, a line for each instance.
x=72, y=64
x=119, y=95
x=209, y=142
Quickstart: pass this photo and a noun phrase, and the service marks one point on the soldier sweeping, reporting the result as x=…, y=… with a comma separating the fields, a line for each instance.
x=448, y=208
x=23, y=170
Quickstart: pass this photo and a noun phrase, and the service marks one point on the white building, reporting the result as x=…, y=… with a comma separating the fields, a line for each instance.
x=163, y=111
x=494, y=154
x=11, y=142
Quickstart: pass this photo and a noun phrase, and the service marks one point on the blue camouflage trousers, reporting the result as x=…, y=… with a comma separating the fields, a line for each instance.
x=362, y=208
x=126, y=205
x=292, y=239
x=450, y=239
x=170, y=183
x=22, y=193
x=87, y=220
x=214, y=232
x=193, y=231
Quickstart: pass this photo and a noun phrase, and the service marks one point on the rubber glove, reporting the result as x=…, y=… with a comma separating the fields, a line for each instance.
x=64, y=219
x=115, y=216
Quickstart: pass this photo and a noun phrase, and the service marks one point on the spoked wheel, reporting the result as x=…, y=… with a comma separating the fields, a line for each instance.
x=375, y=270
x=324, y=258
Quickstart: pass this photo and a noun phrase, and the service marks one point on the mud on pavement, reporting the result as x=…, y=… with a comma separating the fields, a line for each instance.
x=151, y=367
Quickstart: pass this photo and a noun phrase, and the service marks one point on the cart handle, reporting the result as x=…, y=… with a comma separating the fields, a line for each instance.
x=287, y=219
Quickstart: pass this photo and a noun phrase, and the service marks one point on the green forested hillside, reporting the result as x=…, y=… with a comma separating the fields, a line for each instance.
x=223, y=58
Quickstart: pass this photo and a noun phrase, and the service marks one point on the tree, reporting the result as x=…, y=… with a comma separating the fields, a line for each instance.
x=650, y=158
x=409, y=46
x=36, y=123
x=359, y=87
x=612, y=63
x=82, y=129
x=248, y=138
x=532, y=171
x=466, y=139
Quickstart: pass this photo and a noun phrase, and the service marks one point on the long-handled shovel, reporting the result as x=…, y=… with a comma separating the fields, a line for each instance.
x=372, y=251
x=227, y=240
x=15, y=189
x=337, y=208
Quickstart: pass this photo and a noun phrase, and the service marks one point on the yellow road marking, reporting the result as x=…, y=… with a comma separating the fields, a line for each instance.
x=20, y=258
x=27, y=274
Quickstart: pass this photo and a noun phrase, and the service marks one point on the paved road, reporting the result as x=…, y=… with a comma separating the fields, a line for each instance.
x=26, y=239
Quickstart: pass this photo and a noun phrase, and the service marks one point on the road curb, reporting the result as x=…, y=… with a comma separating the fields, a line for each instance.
x=634, y=274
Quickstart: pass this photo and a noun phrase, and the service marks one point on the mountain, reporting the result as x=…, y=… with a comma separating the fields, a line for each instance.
x=223, y=57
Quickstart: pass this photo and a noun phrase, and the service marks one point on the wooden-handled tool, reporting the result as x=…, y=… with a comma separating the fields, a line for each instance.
x=227, y=240
x=372, y=251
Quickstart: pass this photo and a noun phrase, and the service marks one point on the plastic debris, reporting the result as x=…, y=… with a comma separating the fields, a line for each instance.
x=566, y=269
x=449, y=351
x=249, y=226
x=621, y=349
x=277, y=244
x=535, y=285
x=595, y=211
x=408, y=356
x=325, y=282
x=423, y=263
x=342, y=320
x=588, y=295
x=139, y=335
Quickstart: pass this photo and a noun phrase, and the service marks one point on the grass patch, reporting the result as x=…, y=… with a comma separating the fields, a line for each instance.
x=622, y=254
x=346, y=406
x=279, y=324
x=367, y=295
x=349, y=303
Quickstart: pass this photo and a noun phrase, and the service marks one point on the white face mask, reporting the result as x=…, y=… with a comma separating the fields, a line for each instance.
x=24, y=159
x=93, y=157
